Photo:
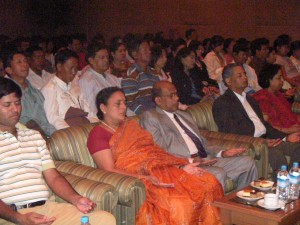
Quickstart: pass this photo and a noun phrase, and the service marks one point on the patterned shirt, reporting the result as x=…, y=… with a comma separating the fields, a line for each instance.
x=137, y=87
x=22, y=161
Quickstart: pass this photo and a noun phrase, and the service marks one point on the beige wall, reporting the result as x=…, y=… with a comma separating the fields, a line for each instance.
x=231, y=18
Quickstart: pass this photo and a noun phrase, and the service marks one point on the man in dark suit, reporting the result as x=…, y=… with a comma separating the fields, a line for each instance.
x=238, y=113
x=171, y=129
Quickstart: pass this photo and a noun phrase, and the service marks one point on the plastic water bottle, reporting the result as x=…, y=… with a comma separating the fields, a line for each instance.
x=294, y=176
x=283, y=183
x=85, y=220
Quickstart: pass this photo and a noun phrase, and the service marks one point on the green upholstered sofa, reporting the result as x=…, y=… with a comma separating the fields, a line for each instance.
x=119, y=194
x=123, y=195
x=258, y=148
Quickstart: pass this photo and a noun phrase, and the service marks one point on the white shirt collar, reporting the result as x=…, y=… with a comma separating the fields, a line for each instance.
x=242, y=97
x=62, y=84
x=169, y=114
x=98, y=74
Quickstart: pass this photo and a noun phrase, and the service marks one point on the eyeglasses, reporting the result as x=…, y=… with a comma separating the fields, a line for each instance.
x=172, y=95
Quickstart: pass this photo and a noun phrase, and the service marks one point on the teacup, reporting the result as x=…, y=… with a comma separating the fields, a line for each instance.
x=271, y=199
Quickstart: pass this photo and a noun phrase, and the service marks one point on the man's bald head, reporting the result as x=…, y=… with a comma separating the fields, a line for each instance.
x=164, y=94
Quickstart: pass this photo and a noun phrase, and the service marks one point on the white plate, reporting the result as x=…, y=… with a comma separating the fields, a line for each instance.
x=240, y=195
x=261, y=203
x=262, y=188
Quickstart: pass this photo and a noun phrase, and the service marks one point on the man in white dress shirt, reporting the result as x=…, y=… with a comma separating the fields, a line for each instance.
x=171, y=136
x=38, y=76
x=95, y=78
x=63, y=97
x=238, y=113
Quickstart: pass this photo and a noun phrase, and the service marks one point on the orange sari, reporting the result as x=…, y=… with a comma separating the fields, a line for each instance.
x=188, y=203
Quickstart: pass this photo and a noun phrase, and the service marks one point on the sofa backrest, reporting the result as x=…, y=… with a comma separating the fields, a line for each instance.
x=70, y=145
x=202, y=115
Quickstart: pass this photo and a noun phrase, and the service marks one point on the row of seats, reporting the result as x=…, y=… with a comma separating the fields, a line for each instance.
x=123, y=195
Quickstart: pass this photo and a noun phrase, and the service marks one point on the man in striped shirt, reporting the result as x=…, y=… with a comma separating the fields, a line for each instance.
x=27, y=170
x=140, y=78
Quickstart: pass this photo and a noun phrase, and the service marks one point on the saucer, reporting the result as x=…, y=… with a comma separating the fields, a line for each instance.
x=240, y=195
x=262, y=188
x=280, y=204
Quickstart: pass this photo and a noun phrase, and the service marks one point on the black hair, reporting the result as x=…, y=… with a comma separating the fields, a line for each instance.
x=194, y=45
x=227, y=42
x=63, y=55
x=30, y=51
x=134, y=44
x=7, y=87
x=267, y=73
x=295, y=45
x=182, y=53
x=216, y=41
x=74, y=37
x=93, y=48
x=257, y=44
x=189, y=32
x=239, y=48
x=102, y=98
x=243, y=41
x=177, y=43
x=8, y=57
x=228, y=71
x=156, y=52
x=280, y=41
x=115, y=43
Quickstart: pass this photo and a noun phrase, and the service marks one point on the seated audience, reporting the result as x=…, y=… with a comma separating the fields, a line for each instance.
x=120, y=64
x=95, y=78
x=186, y=77
x=273, y=104
x=28, y=174
x=238, y=113
x=158, y=62
x=22, y=43
x=122, y=146
x=176, y=132
x=198, y=49
x=175, y=47
x=295, y=57
x=140, y=78
x=2, y=70
x=215, y=58
x=240, y=56
x=271, y=58
x=228, y=50
x=259, y=50
x=33, y=114
x=49, y=54
x=191, y=35
x=38, y=76
x=206, y=45
x=75, y=44
x=64, y=103
x=290, y=72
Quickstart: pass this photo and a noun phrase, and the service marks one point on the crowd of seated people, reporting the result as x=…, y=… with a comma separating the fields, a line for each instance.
x=68, y=81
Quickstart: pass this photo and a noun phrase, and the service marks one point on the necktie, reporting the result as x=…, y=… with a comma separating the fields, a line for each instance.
x=201, y=151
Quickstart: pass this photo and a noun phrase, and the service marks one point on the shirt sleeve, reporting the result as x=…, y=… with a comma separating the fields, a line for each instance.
x=98, y=140
x=47, y=162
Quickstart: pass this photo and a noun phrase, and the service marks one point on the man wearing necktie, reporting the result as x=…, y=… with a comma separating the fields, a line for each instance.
x=175, y=131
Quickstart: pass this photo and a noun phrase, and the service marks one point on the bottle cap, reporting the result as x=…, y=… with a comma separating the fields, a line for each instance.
x=84, y=219
x=295, y=164
x=283, y=167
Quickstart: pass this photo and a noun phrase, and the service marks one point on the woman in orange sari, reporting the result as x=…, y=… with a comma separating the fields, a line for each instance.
x=177, y=192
